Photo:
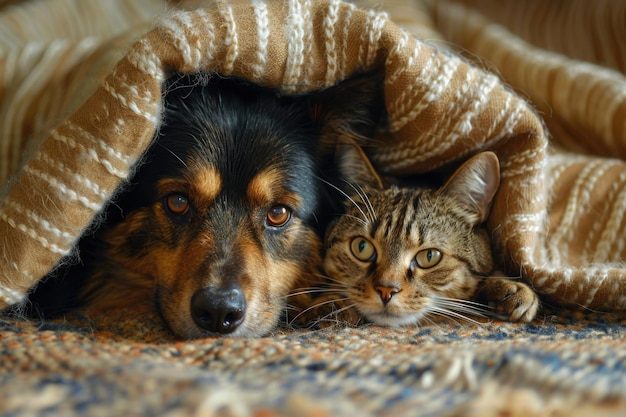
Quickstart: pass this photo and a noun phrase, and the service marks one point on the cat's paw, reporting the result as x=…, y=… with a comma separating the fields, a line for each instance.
x=514, y=299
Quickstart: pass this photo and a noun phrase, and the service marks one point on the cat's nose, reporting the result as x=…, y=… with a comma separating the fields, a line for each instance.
x=386, y=292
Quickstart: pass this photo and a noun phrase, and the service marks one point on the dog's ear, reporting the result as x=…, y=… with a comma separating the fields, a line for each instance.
x=352, y=109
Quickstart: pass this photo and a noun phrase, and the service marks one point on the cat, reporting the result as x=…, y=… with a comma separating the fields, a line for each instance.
x=400, y=255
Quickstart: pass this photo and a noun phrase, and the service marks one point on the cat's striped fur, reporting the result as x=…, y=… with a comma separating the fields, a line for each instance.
x=400, y=255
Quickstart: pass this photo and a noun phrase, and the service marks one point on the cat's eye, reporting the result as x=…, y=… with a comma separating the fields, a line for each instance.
x=177, y=203
x=363, y=249
x=428, y=258
x=278, y=215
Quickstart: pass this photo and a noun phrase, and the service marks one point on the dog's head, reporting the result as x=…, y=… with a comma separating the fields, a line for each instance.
x=223, y=216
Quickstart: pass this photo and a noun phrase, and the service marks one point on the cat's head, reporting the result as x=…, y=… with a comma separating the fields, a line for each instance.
x=400, y=254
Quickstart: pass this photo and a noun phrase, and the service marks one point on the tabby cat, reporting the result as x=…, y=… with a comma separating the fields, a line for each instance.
x=400, y=255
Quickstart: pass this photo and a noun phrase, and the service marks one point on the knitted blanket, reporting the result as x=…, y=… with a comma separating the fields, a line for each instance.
x=539, y=83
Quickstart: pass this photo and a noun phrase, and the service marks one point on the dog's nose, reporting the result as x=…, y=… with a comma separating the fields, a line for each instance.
x=219, y=310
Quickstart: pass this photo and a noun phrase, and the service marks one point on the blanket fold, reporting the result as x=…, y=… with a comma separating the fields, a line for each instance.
x=577, y=260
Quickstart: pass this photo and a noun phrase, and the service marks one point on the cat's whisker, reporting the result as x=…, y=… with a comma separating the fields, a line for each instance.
x=444, y=315
x=466, y=311
x=462, y=301
x=363, y=222
x=317, y=305
x=326, y=277
x=287, y=310
x=322, y=281
x=427, y=319
x=335, y=314
x=365, y=218
x=312, y=290
x=333, y=281
x=366, y=200
x=463, y=312
x=452, y=314
x=342, y=309
x=460, y=306
x=450, y=318
x=346, y=196
x=328, y=302
x=303, y=290
x=336, y=289
x=459, y=301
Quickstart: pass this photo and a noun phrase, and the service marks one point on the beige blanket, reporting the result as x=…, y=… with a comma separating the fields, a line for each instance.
x=80, y=100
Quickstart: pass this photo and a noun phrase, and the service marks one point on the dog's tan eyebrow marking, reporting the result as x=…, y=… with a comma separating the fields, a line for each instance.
x=207, y=182
x=267, y=187
x=263, y=188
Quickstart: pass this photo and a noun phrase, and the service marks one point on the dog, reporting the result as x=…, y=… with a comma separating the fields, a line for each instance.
x=223, y=216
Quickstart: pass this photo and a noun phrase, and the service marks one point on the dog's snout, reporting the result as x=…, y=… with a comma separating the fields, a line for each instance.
x=219, y=310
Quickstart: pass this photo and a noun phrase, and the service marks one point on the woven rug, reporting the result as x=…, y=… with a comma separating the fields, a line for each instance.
x=568, y=364
x=540, y=83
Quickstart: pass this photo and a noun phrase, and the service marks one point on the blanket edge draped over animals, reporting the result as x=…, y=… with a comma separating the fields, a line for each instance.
x=558, y=216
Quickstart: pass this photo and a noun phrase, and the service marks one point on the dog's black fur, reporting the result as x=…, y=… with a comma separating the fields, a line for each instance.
x=198, y=231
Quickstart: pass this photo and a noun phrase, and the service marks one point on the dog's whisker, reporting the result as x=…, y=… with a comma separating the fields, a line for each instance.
x=173, y=154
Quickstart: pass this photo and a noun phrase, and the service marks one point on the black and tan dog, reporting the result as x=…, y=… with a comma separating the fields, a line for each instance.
x=223, y=218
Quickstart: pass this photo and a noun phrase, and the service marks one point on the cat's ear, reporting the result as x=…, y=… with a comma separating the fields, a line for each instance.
x=474, y=185
x=354, y=165
x=353, y=108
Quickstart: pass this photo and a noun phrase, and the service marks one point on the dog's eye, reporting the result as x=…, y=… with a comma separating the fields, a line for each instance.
x=177, y=203
x=278, y=215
